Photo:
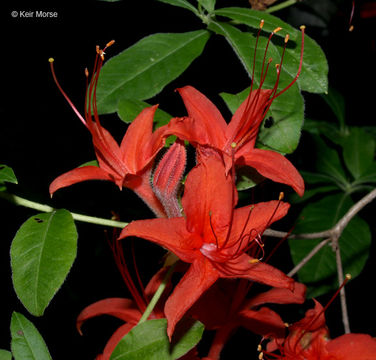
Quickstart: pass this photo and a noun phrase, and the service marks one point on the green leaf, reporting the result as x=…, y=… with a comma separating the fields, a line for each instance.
x=329, y=163
x=287, y=112
x=181, y=3
x=5, y=355
x=358, y=151
x=144, y=69
x=90, y=163
x=7, y=175
x=368, y=176
x=128, y=110
x=247, y=177
x=329, y=130
x=314, y=74
x=337, y=103
x=308, y=194
x=315, y=178
x=209, y=5
x=42, y=254
x=320, y=273
x=149, y=341
x=27, y=343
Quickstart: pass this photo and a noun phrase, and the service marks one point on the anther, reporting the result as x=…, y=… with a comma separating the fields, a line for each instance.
x=97, y=49
x=270, y=60
x=253, y=261
x=351, y=28
x=233, y=145
x=262, y=23
x=259, y=347
x=286, y=324
x=86, y=72
x=51, y=60
x=287, y=37
x=110, y=43
x=276, y=30
x=348, y=276
x=302, y=27
x=281, y=196
x=261, y=355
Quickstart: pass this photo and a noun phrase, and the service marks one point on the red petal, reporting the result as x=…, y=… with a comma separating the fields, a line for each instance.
x=136, y=147
x=80, y=174
x=241, y=267
x=124, y=309
x=205, y=210
x=114, y=340
x=248, y=117
x=352, y=346
x=199, y=277
x=280, y=296
x=169, y=233
x=274, y=166
x=107, y=151
x=263, y=322
x=255, y=219
x=206, y=126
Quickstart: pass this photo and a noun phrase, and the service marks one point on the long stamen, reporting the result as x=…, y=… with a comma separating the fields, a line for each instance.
x=347, y=278
x=51, y=61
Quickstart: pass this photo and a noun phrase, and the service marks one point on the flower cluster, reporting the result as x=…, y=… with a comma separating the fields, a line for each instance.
x=218, y=245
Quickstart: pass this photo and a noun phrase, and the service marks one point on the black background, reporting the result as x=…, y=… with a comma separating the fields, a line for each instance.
x=41, y=138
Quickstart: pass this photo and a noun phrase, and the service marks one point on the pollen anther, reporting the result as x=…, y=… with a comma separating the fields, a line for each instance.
x=262, y=23
x=51, y=60
x=254, y=261
x=233, y=145
x=277, y=29
x=281, y=196
x=287, y=37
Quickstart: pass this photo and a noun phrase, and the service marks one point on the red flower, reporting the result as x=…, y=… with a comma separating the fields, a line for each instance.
x=124, y=309
x=127, y=165
x=205, y=126
x=213, y=237
x=224, y=307
x=308, y=339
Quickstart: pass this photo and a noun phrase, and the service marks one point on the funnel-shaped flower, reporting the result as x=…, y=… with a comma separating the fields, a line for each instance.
x=128, y=165
x=205, y=126
x=213, y=237
x=308, y=339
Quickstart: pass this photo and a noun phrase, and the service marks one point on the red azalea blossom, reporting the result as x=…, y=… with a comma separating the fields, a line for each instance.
x=125, y=309
x=213, y=237
x=205, y=126
x=224, y=307
x=308, y=339
x=127, y=165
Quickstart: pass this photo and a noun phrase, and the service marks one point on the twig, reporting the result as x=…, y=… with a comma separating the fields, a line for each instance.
x=342, y=294
x=281, y=6
x=336, y=230
x=308, y=257
x=17, y=200
x=332, y=235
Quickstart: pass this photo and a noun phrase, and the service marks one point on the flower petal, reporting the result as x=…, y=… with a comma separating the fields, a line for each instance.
x=199, y=277
x=280, y=296
x=274, y=166
x=136, y=148
x=263, y=322
x=244, y=267
x=79, y=174
x=248, y=117
x=207, y=212
x=352, y=346
x=254, y=219
x=206, y=125
x=169, y=233
x=114, y=340
x=124, y=309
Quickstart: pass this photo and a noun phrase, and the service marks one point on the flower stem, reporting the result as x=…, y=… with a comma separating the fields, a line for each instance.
x=157, y=295
x=281, y=6
x=17, y=200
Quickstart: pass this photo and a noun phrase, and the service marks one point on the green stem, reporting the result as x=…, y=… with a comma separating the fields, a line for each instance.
x=157, y=295
x=17, y=200
x=281, y=6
